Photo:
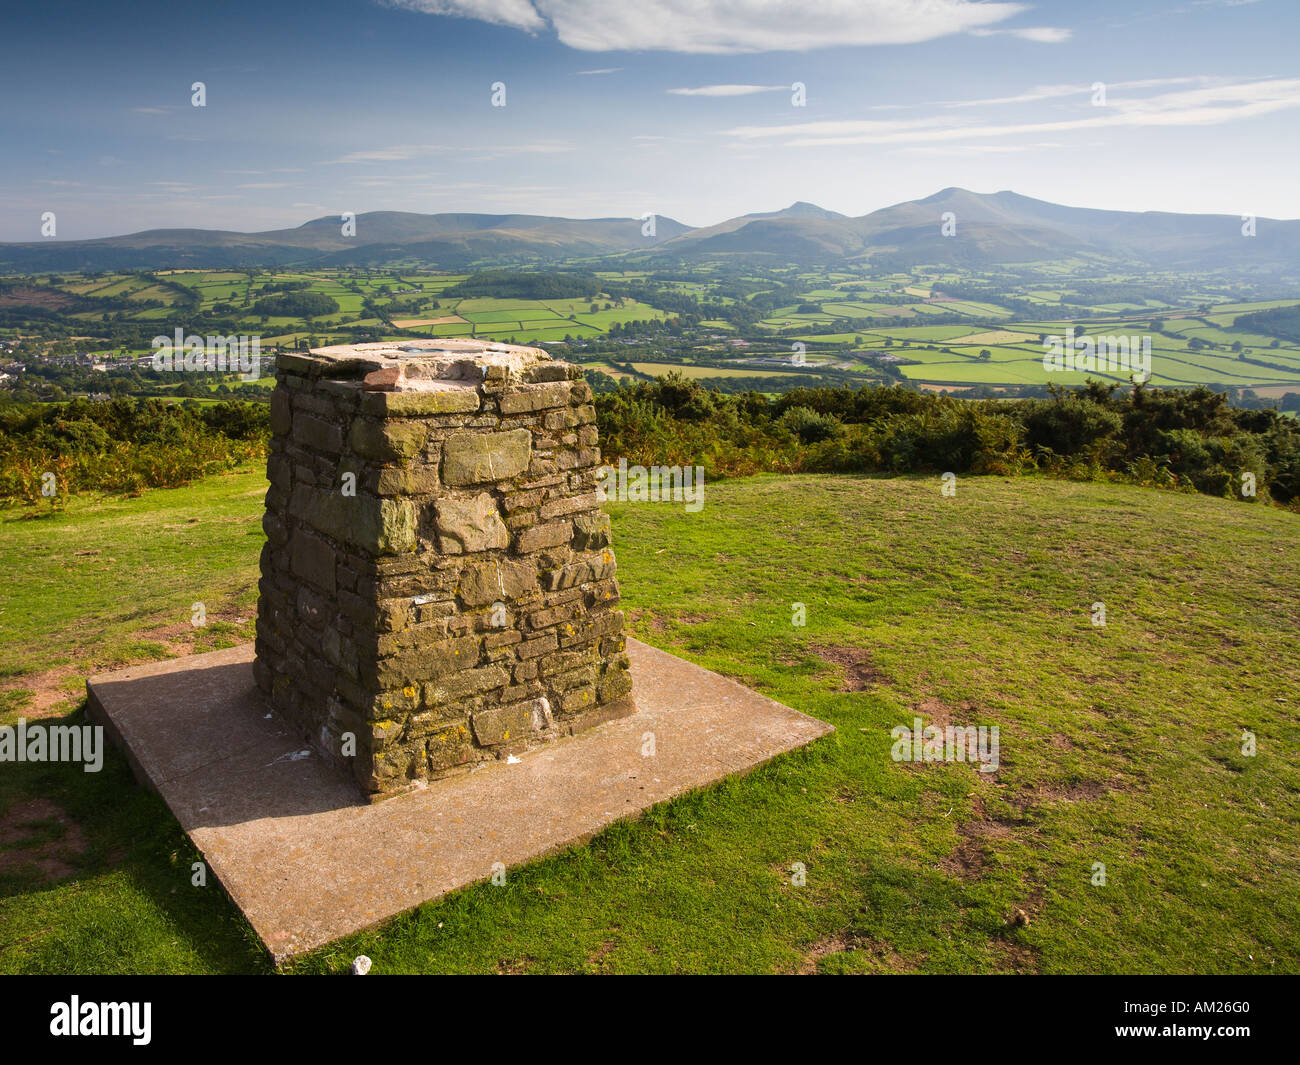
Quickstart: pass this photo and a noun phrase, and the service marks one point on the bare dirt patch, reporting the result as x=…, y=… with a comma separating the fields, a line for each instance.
x=596, y=959
x=1082, y=791
x=968, y=859
x=940, y=715
x=966, y=862
x=692, y=618
x=25, y=840
x=180, y=637
x=882, y=953
x=654, y=621
x=1015, y=957
x=860, y=673
x=50, y=696
x=836, y=944
x=936, y=712
x=53, y=696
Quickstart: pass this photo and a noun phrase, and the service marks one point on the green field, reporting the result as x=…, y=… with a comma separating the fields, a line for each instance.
x=1119, y=744
x=831, y=308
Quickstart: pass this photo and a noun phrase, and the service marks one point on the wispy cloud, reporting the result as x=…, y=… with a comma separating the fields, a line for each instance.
x=1211, y=105
x=975, y=149
x=399, y=153
x=603, y=70
x=728, y=90
x=531, y=148
x=394, y=154
x=730, y=26
x=1053, y=92
x=1037, y=34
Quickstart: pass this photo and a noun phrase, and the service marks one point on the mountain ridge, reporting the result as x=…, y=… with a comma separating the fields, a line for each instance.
x=990, y=229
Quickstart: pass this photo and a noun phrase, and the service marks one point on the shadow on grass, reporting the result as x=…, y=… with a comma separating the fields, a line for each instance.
x=96, y=876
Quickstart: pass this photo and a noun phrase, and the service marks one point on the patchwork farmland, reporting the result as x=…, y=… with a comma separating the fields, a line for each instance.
x=766, y=329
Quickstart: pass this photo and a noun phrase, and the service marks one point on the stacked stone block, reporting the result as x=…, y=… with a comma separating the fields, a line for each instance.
x=437, y=587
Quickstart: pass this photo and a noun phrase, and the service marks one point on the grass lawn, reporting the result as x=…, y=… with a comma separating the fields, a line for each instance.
x=1119, y=744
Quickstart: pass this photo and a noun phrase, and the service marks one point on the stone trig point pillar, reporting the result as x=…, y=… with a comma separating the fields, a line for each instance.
x=437, y=592
x=438, y=584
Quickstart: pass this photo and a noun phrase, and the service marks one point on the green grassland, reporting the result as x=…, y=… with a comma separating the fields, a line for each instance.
x=1174, y=362
x=494, y=319
x=1119, y=744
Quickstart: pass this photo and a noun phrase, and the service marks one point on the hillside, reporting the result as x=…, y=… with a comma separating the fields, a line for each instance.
x=999, y=228
x=1119, y=744
x=381, y=236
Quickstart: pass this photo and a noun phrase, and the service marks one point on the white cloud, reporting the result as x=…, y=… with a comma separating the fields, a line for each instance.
x=1038, y=92
x=603, y=70
x=396, y=154
x=1038, y=34
x=1211, y=105
x=532, y=148
x=845, y=127
x=729, y=90
x=400, y=153
x=1050, y=92
x=722, y=27
x=521, y=14
x=977, y=149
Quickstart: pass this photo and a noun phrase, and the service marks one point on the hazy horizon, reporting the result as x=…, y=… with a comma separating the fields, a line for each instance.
x=292, y=225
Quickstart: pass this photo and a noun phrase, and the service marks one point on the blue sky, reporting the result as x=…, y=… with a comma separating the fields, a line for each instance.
x=618, y=107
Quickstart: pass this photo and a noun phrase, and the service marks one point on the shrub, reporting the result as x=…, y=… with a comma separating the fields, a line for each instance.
x=810, y=426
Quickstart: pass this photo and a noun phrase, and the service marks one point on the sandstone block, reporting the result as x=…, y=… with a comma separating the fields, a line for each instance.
x=468, y=525
x=478, y=458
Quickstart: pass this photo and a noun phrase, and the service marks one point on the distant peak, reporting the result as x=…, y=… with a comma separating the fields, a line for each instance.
x=798, y=209
x=951, y=192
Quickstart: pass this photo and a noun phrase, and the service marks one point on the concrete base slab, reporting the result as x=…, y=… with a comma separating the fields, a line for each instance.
x=308, y=861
